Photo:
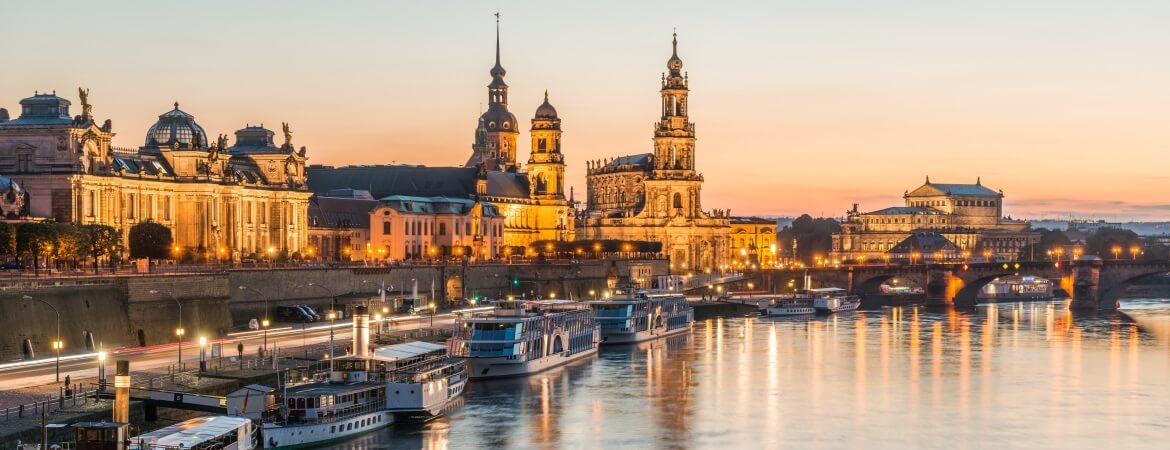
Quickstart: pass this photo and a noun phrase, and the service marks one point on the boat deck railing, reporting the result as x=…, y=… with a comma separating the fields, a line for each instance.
x=334, y=415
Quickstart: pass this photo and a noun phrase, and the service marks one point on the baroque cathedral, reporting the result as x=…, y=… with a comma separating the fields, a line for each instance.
x=657, y=196
x=531, y=199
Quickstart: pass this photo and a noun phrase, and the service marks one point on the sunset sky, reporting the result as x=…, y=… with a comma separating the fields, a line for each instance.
x=800, y=106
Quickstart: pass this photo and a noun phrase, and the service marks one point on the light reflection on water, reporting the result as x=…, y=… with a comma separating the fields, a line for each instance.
x=1010, y=375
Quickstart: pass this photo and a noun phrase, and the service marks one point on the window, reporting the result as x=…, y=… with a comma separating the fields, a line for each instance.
x=24, y=163
x=677, y=200
x=386, y=227
x=442, y=229
x=467, y=228
x=92, y=204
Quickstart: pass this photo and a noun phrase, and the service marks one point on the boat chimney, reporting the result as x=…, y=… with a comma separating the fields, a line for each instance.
x=361, y=332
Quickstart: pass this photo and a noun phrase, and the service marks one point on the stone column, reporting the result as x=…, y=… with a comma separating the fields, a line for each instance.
x=1086, y=284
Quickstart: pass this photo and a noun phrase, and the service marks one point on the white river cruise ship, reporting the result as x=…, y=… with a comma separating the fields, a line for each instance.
x=525, y=337
x=642, y=315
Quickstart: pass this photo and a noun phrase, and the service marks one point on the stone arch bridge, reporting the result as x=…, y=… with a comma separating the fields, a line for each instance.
x=1093, y=283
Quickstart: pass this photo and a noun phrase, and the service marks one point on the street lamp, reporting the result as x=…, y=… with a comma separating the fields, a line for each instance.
x=179, y=331
x=263, y=322
x=1116, y=252
x=1134, y=251
x=102, y=371
x=332, y=317
x=202, y=353
x=57, y=344
x=432, y=314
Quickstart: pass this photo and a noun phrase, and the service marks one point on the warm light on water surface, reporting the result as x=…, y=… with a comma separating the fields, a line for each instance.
x=1013, y=375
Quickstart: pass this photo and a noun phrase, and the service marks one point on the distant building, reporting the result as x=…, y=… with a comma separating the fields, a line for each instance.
x=753, y=240
x=339, y=225
x=219, y=201
x=531, y=200
x=969, y=216
x=656, y=196
x=405, y=227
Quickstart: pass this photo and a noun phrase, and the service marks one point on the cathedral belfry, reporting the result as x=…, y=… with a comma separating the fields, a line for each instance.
x=546, y=164
x=657, y=196
x=495, y=136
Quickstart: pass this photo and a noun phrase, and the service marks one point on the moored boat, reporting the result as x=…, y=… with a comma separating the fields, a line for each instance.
x=642, y=315
x=525, y=337
x=372, y=388
x=789, y=305
x=833, y=300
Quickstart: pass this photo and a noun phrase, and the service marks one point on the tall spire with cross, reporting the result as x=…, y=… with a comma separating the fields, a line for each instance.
x=495, y=143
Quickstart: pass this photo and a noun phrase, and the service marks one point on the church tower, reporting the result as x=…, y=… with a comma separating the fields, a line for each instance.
x=496, y=133
x=674, y=134
x=546, y=165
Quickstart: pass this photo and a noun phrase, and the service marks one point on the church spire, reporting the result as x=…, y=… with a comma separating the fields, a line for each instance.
x=498, y=70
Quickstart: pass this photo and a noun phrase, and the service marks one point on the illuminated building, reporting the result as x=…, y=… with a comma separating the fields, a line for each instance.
x=656, y=196
x=969, y=216
x=219, y=201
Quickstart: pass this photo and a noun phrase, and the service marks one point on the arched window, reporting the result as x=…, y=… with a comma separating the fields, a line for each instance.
x=678, y=200
x=442, y=229
x=386, y=227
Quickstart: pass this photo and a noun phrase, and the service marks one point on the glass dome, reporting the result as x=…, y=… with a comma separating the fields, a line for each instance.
x=176, y=127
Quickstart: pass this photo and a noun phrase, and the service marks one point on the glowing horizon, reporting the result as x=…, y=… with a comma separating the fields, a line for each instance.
x=799, y=108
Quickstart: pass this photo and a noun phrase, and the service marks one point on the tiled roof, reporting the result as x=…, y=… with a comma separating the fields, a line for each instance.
x=338, y=212
x=904, y=210
x=925, y=242
x=418, y=181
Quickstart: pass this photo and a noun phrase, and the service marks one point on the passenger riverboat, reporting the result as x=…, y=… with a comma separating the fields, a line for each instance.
x=525, y=337
x=789, y=305
x=833, y=300
x=366, y=391
x=642, y=315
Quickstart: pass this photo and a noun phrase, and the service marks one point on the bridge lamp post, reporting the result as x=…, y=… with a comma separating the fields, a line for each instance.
x=1135, y=250
x=57, y=344
x=1076, y=253
x=1116, y=252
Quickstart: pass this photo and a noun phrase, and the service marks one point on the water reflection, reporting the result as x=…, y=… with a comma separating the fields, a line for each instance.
x=1017, y=375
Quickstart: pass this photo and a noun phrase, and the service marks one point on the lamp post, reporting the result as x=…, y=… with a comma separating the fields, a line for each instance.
x=263, y=322
x=1116, y=252
x=179, y=331
x=432, y=314
x=202, y=354
x=332, y=316
x=1135, y=250
x=102, y=371
x=57, y=344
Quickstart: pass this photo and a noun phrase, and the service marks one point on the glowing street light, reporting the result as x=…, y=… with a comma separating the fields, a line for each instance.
x=57, y=344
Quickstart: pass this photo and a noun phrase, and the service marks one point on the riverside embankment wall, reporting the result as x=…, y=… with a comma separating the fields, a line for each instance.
x=139, y=310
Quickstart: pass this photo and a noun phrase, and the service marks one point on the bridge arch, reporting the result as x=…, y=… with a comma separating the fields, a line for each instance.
x=1109, y=293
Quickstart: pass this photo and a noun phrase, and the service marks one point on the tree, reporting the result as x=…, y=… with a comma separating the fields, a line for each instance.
x=7, y=239
x=1049, y=239
x=35, y=240
x=813, y=237
x=1103, y=241
x=150, y=240
x=99, y=241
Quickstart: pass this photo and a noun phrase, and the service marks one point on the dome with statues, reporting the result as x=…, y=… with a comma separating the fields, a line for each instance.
x=176, y=128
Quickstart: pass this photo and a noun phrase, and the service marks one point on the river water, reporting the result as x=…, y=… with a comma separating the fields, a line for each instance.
x=1024, y=375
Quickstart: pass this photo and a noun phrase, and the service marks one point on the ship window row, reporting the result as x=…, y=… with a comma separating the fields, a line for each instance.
x=356, y=424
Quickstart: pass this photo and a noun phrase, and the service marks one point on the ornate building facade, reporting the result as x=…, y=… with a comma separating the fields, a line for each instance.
x=224, y=201
x=970, y=216
x=404, y=227
x=753, y=241
x=656, y=196
x=531, y=200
